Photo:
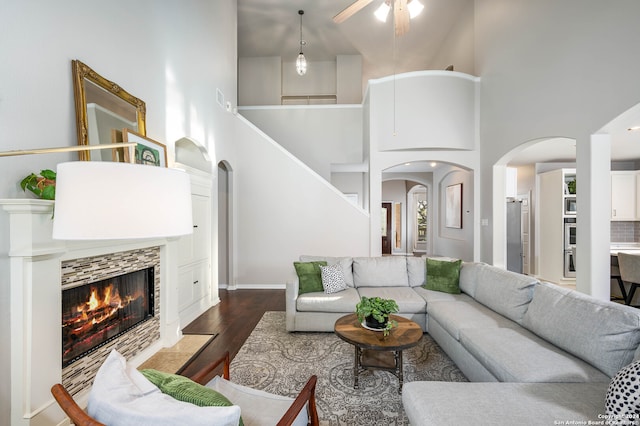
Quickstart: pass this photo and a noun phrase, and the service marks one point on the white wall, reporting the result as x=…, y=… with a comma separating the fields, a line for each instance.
x=262, y=81
x=427, y=109
x=452, y=241
x=286, y=210
x=317, y=135
x=348, y=73
x=458, y=47
x=141, y=46
x=253, y=73
x=550, y=69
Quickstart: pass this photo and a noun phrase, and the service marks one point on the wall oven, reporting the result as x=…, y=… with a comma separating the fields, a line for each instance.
x=570, y=248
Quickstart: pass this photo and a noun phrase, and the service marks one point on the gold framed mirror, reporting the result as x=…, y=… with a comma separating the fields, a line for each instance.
x=103, y=110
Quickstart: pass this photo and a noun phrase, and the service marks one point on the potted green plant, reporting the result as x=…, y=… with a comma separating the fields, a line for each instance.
x=44, y=185
x=375, y=311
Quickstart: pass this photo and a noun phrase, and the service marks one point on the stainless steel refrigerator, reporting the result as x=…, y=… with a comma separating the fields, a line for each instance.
x=514, y=236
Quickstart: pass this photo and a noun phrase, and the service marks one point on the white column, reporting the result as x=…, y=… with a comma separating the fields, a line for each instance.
x=499, y=216
x=593, y=193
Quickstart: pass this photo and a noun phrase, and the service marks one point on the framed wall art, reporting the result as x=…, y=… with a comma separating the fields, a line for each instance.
x=147, y=151
x=453, y=206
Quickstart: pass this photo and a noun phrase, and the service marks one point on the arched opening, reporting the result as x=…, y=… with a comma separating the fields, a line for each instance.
x=225, y=226
x=519, y=199
x=420, y=221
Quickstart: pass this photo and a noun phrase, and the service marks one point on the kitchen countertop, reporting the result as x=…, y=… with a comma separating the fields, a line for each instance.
x=633, y=248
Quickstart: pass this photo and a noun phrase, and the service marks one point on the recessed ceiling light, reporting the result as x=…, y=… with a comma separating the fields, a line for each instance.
x=407, y=164
x=433, y=164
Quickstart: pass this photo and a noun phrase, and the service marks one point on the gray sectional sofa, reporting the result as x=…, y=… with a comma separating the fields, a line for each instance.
x=538, y=353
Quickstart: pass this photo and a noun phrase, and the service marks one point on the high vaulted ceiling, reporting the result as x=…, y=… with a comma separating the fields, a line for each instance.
x=272, y=28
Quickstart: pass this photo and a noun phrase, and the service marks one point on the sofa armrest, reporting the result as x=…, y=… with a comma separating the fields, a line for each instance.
x=291, y=296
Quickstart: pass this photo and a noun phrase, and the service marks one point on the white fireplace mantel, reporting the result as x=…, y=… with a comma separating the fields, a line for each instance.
x=35, y=297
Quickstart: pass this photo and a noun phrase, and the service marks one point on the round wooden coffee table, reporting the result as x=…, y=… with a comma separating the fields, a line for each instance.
x=373, y=349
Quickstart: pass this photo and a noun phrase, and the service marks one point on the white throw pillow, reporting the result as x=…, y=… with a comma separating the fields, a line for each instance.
x=332, y=279
x=121, y=395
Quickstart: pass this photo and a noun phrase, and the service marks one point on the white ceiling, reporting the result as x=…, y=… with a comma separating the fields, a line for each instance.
x=272, y=28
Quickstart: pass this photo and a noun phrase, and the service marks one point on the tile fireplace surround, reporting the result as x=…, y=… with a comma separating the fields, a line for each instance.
x=39, y=267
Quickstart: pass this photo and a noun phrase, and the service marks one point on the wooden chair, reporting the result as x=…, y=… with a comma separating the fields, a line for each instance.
x=307, y=395
x=629, y=265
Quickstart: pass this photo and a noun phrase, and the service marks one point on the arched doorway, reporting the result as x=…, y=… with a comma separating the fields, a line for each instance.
x=424, y=185
x=225, y=226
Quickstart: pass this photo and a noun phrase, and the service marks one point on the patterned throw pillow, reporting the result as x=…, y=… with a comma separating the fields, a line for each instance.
x=623, y=395
x=186, y=390
x=332, y=279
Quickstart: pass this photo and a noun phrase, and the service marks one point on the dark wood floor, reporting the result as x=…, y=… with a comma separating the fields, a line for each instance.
x=234, y=318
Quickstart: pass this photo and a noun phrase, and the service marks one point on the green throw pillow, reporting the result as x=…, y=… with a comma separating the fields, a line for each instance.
x=309, y=276
x=443, y=275
x=186, y=390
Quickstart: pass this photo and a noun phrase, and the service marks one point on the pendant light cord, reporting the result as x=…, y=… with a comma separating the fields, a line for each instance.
x=394, y=76
x=301, y=12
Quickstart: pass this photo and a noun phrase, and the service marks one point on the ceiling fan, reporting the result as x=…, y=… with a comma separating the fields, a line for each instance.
x=403, y=11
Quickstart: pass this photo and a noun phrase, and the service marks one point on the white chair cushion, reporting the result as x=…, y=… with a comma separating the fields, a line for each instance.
x=257, y=407
x=122, y=396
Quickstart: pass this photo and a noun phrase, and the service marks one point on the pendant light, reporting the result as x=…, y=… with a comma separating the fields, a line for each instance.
x=301, y=62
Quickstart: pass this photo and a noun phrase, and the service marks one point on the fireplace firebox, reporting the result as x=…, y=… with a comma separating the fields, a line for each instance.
x=96, y=313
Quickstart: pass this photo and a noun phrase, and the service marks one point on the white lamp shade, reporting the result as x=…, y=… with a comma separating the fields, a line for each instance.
x=415, y=7
x=382, y=12
x=110, y=201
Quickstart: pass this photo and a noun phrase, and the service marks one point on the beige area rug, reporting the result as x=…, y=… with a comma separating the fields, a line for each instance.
x=171, y=360
x=279, y=362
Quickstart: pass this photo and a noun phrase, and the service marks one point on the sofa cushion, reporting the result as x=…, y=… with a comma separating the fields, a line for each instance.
x=502, y=404
x=409, y=302
x=438, y=296
x=461, y=314
x=122, y=395
x=332, y=279
x=469, y=277
x=344, y=301
x=506, y=292
x=344, y=262
x=443, y=275
x=309, y=277
x=517, y=355
x=258, y=407
x=603, y=333
x=416, y=269
x=386, y=271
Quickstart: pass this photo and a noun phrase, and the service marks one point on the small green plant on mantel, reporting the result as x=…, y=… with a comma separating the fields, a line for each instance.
x=379, y=309
x=43, y=185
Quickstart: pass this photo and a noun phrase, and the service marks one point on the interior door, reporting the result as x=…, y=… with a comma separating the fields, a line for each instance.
x=386, y=228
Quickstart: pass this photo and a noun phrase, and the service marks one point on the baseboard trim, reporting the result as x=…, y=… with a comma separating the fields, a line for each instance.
x=253, y=287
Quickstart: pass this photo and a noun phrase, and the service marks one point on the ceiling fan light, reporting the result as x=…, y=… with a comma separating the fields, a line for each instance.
x=382, y=12
x=415, y=7
x=301, y=64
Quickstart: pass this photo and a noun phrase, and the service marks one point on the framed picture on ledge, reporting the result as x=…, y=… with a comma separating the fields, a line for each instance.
x=453, y=206
x=147, y=151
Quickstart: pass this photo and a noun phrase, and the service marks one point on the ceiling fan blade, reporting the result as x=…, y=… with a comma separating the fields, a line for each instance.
x=401, y=17
x=350, y=10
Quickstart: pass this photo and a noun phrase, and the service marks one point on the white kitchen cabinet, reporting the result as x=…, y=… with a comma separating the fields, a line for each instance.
x=624, y=195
